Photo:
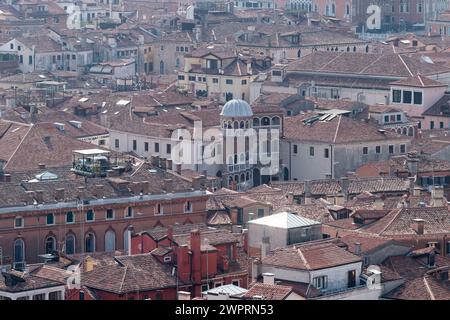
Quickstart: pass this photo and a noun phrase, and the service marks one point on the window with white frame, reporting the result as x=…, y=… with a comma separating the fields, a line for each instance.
x=18, y=222
x=50, y=219
x=320, y=282
x=129, y=212
x=188, y=206
x=159, y=209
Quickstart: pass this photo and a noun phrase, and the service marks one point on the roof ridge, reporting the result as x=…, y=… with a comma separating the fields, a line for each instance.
x=18, y=146
x=370, y=64
x=406, y=66
x=123, y=278
x=392, y=220
x=305, y=262
x=427, y=286
x=337, y=129
x=340, y=54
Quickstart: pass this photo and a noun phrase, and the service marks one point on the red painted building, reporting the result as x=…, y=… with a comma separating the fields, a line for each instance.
x=201, y=257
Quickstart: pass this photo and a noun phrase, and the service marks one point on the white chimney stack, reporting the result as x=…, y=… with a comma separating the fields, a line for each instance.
x=268, y=278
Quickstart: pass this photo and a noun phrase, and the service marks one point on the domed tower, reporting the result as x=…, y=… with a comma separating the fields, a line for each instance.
x=236, y=116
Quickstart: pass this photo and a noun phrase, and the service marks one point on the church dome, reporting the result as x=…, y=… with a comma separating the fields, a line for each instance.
x=236, y=109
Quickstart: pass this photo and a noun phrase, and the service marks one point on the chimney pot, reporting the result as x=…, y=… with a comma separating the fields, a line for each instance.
x=419, y=225
x=357, y=248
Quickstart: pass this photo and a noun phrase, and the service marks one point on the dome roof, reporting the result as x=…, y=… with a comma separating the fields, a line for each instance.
x=236, y=108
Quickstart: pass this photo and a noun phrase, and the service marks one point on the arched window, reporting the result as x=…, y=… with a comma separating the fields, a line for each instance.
x=89, y=242
x=236, y=125
x=70, y=244
x=161, y=67
x=354, y=49
x=242, y=124
x=177, y=63
x=229, y=125
x=126, y=240
x=247, y=176
x=255, y=122
x=242, y=158
x=275, y=121
x=19, y=251
x=265, y=121
x=348, y=49
x=50, y=219
x=247, y=124
x=242, y=177
x=299, y=53
x=367, y=49
x=236, y=178
x=110, y=241
x=50, y=244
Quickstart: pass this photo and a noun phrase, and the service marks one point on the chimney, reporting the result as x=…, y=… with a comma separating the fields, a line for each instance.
x=412, y=184
x=29, y=197
x=41, y=166
x=169, y=164
x=145, y=185
x=170, y=233
x=40, y=196
x=413, y=164
x=80, y=192
x=255, y=269
x=178, y=168
x=130, y=231
x=184, y=295
x=183, y=266
x=198, y=183
x=59, y=194
x=437, y=196
x=268, y=278
x=245, y=239
x=6, y=177
x=162, y=163
x=308, y=194
x=344, y=187
x=136, y=187
x=418, y=226
x=265, y=247
x=196, y=256
x=168, y=185
x=358, y=248
x=417, y=191
x=290, y=197
x=234, y=215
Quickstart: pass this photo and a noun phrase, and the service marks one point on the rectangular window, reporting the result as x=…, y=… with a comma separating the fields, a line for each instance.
x=21, y=59
x=229, y=81
x=191, y=78
x=50, y=219
x=159, y=209
x=235, y=283
x=431, y=124
x=129, y=212
x=134, y=145
x=365, y=150
x=417, y=97
x=320, y=282
x=70, y=217
x=326, y=153
x=168, y=148
x=146, y=146
x=18, y=222
x=215, y=80
x=156, y=147
x=407, y=97
x=116, y=143
x=399, y=117
x=180, y=77
x=378, y=149
x=402, y=148
x=90, y=215
x=441, y=125
x=30, y=60
x=397, y=96
x=109, y=214
x=391, y=149
x=244, y=82
x=295, y=149
x=260, y=213
x=386, y=118
x=311, y=151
